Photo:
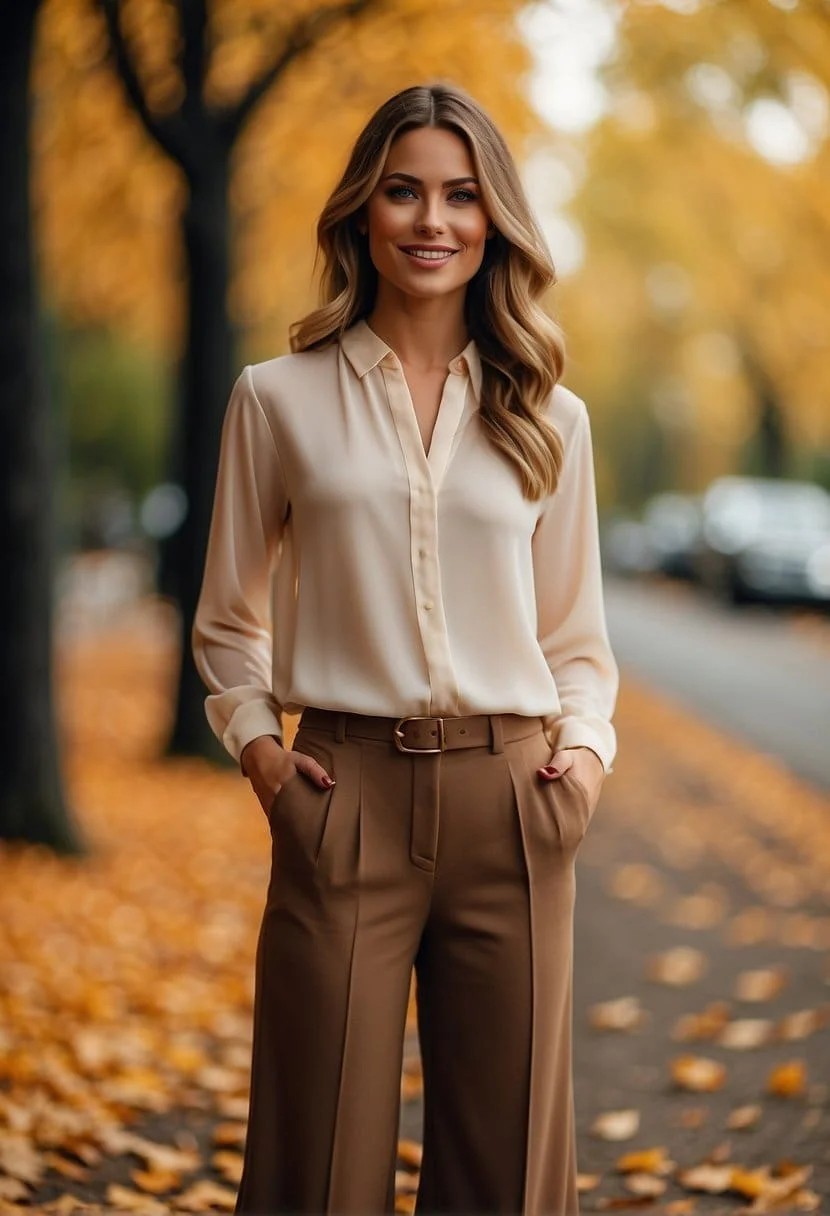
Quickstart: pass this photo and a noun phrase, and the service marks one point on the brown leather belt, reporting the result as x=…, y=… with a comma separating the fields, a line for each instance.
x=424, y=734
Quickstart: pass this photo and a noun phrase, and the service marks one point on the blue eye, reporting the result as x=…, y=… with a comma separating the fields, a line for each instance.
x=395, y=191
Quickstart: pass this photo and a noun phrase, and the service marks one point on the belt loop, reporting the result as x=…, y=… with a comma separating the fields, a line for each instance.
x=496, y=733
x=340, y=727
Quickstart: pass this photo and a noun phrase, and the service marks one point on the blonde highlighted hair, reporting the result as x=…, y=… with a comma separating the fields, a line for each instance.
x=522, y=349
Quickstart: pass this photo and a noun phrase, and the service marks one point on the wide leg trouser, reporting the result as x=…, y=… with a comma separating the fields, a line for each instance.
x=460, y=864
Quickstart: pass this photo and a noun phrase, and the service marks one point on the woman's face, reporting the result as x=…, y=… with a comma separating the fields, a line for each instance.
x=427, y=225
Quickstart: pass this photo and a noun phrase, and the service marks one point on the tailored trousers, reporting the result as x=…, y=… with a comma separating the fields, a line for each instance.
x=461, y=865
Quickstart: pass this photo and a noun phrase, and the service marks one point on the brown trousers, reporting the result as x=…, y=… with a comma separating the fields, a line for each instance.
x=460, y=864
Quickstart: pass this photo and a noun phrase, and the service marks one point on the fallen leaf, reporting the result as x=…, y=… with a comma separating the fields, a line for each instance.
x=714, y=1179
x=697, y=1073
x=706, y=1025
x=751, y=927
x=637, y=884
x=742, y=1118
x=19, y=1159
x=621, y=1202
x=802, y=1023
x=229, y=1165
x=746, y=1033
x=678, y=967
x=229, y=1133
x=623, y=1013
x=410, y=1152
x=133, y=1201
x=156, y=1181
x=66, y=1204
x=750, y=1183
x=13, y=1189
x=702, y=910
x=66, y=1168
x=616, y=1124
x=405, y=1182
x=788, y=1080
x=204, y=1196
x=646, y=1161
x=761, y=985
x=645, y=1184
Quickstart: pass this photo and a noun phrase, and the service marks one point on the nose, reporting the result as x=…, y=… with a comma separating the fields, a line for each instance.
x=430, y=218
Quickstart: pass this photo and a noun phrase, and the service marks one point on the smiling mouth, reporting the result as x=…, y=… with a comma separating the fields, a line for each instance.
x=438, y=256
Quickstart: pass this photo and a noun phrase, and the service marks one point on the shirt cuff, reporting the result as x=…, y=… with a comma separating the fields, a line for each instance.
x=250, y=720
x=567, y=733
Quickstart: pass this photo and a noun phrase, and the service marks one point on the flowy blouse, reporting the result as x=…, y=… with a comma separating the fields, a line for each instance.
x=351, y=569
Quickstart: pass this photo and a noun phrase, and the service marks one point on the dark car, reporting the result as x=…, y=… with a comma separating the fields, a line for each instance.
x=765, y=539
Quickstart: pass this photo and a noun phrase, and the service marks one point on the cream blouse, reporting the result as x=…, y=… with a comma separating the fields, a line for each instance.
x=348, y=569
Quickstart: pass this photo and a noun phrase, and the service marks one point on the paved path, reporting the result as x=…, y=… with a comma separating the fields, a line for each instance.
x=745, y=669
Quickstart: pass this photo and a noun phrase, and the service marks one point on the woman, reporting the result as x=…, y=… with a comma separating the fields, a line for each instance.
x=404, y=547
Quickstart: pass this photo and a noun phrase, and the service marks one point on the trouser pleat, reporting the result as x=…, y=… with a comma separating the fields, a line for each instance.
x=550, y=1187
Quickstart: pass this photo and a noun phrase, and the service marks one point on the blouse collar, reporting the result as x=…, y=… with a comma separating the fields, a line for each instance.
x=365, y=349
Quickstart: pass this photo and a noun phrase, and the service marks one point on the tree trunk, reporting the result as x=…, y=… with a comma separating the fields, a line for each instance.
x=767, y=454
x=32, y=806
x=206, y=379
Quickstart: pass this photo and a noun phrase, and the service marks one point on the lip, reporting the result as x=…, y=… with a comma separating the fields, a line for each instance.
x=429, y=248
x=434, y=263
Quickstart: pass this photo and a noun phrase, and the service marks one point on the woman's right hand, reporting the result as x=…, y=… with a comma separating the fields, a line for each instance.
x=268, y=766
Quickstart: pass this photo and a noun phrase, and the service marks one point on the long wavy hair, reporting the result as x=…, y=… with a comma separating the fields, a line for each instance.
x=522, y=348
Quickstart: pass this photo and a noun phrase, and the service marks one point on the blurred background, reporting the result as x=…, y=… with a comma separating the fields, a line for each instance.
x=164, y=162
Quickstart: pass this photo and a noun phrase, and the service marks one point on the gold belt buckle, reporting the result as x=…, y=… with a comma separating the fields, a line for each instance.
x=423, y=751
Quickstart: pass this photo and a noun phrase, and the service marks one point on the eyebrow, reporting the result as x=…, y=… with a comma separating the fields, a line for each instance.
x=416, y=181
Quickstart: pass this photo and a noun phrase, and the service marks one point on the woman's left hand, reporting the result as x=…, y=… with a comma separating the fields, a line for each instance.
x=587, y=769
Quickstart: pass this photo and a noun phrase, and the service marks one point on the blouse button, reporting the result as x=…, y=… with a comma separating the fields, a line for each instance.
x=427, y=607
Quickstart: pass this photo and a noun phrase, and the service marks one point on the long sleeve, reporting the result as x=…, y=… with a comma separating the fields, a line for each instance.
x=232, y=629
x=571, y=625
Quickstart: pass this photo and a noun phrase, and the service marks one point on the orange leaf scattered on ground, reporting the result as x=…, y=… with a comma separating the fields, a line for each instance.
x=788, y=1080
x=761, y=985
x=744, y=1117
x=156, y=1181
x=745, y=1033
x=205, y=1196
x=410, y=1152
x=646, y=1161
x=678, y=967
x=616, y=1124
x=645, y=1184
x=705, y=1025
x=715, y=1179
x=623, y=1013
x=698, y=1073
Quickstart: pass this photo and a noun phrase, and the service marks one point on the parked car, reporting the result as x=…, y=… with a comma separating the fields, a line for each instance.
x=672, y=525
x=765, y=539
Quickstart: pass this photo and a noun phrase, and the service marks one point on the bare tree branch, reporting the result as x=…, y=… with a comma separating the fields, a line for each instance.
x=304, y=35
x=163, y=130
x=193, y=18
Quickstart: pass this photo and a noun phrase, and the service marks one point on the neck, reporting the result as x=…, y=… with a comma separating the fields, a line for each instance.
x=424, y=334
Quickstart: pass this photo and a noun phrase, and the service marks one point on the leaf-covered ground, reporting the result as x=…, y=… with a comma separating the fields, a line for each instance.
x=702, y=1013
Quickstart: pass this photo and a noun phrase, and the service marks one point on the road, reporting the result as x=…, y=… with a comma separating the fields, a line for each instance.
x=747, y=670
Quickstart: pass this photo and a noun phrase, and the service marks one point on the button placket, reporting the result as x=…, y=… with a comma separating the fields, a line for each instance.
x=423, y=516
